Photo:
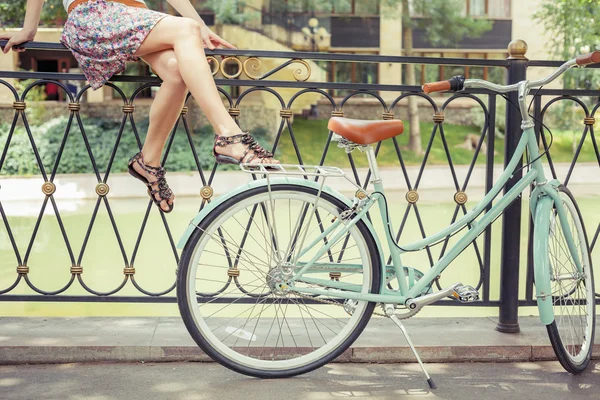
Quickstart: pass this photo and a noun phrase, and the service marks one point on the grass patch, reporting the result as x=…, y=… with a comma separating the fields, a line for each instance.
x=565, y=143
x=311, y=136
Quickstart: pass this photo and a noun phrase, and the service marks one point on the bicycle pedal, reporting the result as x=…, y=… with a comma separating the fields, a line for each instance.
x=465, y=294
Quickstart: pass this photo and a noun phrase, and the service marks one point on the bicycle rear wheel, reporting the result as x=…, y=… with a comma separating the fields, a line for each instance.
x=233, y=269
x=573, y=299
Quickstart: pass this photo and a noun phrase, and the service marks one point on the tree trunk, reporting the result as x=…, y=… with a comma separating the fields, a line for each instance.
x=414, y=140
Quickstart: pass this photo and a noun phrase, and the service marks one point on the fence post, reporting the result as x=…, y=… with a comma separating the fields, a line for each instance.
x=511, y=220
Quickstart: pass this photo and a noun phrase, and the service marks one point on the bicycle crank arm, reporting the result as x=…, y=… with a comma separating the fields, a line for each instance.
x=422, y=301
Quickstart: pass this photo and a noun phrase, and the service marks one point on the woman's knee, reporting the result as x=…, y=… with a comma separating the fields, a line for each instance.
x=170, y=73
x=168, y=33
x=190, y=27
x=174, y=74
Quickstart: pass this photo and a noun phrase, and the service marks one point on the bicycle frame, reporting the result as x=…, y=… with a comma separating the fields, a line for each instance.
x=535, y=176
x=288, y=267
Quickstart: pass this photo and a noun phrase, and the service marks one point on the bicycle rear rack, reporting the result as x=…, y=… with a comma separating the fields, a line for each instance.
x=293, y=170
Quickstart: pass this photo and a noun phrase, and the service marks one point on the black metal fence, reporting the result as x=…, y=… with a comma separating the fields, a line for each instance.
x=127, y=239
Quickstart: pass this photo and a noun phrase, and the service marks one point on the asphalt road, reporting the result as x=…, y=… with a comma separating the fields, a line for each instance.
x=197, y=381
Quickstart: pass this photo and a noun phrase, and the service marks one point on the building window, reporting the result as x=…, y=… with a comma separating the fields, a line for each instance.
x=350, y=7
x=295, y=7
x=492, y=9
x=360, y=7
x=43, y=61
x=302, y=7
x=477, y=8
x=498, y=9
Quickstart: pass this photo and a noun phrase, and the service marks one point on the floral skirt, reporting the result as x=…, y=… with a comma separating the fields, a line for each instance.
x=104, y=35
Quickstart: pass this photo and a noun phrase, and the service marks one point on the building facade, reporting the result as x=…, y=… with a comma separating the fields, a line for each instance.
x=359, y=28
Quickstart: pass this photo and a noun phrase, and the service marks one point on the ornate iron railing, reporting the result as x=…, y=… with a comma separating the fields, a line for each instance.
x=251, y=79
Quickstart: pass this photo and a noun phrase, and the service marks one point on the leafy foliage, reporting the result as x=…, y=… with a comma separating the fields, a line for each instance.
x=573, y=30
x=228, y=11
x=35, y=97
x=443, y=24
x=12, y=13
x=443, y=21
x=102, y=135
x=325, y=6
x=478, y=117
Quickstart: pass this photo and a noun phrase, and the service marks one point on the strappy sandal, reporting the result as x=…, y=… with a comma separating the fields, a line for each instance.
x=245, y=139
x=164, y=192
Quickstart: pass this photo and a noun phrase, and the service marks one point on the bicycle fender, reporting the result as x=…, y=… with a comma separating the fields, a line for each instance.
x=274, y=181
x=541, y=262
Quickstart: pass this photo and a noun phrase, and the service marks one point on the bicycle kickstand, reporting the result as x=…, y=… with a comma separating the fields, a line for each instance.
x=414, y=350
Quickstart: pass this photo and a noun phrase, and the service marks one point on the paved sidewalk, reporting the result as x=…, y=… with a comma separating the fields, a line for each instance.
x=203, y=381
x=84, y=339
x=75, y=187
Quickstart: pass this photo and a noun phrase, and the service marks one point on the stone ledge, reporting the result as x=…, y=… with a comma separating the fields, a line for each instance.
x=10, y=355
x=88, y=340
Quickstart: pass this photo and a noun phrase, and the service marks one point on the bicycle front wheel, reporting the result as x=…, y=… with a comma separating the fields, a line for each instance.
x=573, y=299
x=233, y=277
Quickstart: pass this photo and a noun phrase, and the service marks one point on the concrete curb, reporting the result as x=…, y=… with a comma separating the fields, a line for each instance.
x=165, y=339
x=11, y=355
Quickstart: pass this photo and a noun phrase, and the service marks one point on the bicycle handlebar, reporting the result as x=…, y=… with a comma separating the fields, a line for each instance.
x=441, y=86
x=459, y=83
x=453, y=84
x=588, y=59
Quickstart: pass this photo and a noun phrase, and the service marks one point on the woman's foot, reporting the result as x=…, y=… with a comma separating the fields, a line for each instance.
x=241, y=148
x=154, y=179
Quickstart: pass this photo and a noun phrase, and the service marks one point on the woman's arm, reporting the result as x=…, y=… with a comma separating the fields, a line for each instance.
x=30, y=26
x=210, y=39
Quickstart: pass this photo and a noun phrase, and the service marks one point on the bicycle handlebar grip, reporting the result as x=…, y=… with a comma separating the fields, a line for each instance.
x=441, y=86
x=454, y=84
x=587, y=59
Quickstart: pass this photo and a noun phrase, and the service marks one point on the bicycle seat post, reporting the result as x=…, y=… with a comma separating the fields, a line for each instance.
x=376, y=178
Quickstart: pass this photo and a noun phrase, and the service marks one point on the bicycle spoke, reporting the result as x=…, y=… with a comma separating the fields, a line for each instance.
x=571, y=290
x=258, y=317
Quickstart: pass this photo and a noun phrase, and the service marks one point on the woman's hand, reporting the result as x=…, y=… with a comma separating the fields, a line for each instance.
x=15, y=39
x=213, y=41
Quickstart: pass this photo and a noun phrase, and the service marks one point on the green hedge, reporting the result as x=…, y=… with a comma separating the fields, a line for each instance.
x=102, y=136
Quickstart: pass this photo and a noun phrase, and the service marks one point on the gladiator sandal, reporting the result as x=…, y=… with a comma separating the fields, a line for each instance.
x=246, y=139
x=164, y=192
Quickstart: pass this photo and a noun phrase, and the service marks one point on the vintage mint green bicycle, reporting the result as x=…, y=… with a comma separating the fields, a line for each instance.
x=280, y=276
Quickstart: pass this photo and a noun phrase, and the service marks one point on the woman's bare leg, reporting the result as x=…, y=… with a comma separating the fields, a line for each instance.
x=167, y=104
x=182, y=35
x=164, y=112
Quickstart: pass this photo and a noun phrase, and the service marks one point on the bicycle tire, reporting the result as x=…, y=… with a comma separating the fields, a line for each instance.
x=198, y=326
x=574, y=321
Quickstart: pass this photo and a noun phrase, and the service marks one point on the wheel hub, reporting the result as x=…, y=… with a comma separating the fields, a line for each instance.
x=278, y=280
